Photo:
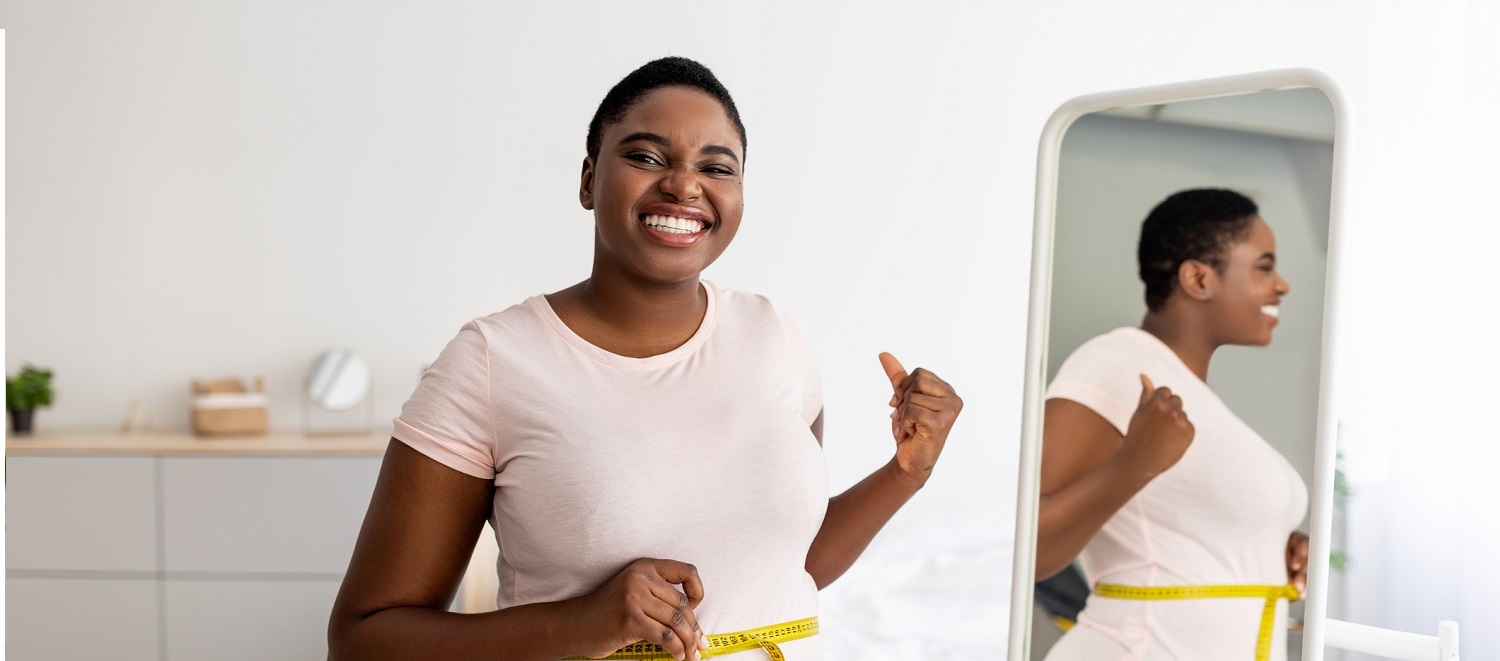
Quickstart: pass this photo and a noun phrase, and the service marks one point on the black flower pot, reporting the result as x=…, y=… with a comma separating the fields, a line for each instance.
x=20, y=421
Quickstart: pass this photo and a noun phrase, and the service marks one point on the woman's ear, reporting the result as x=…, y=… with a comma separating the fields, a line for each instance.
x=586, y=185
x=1197, y=280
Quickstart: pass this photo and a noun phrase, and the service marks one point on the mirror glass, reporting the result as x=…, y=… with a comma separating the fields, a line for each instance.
x=338, y=380
x=1113, y=166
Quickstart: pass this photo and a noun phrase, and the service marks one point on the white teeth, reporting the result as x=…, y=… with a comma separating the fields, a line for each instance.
x=673, y=225
x=1272, y=311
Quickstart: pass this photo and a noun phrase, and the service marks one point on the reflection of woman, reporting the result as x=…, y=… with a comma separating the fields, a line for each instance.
x=645, y=445
x=1144, y=498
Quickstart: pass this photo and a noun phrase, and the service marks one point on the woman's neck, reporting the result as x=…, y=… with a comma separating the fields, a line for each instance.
x=1185, y=336
x=632, y=318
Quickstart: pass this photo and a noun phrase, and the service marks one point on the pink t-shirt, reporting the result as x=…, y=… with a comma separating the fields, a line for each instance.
x=703, y=454
x=1221, y=515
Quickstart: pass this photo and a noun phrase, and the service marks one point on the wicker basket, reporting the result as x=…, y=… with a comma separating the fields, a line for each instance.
x=225, y=407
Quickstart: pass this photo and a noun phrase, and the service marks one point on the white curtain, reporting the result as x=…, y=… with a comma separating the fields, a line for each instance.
x=1420, y=432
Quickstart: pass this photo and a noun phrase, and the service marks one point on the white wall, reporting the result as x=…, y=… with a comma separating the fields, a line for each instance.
x=211, y=188
x=1113, y=170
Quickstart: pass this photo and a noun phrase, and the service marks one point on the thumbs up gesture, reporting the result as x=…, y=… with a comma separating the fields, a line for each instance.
x=1159, y=433
x=925, y=408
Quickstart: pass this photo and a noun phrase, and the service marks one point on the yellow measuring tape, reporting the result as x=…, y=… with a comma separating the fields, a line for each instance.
x=720, y=644
x=1270, y=593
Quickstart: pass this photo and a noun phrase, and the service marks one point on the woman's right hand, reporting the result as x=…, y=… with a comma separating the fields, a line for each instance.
x=642, y=603
x=1159, y=433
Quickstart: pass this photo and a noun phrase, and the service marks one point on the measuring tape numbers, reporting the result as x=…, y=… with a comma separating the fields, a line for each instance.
x=719, y=644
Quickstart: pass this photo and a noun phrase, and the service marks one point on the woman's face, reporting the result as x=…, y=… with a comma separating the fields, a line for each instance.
x=666, y=188
x=1248, y=300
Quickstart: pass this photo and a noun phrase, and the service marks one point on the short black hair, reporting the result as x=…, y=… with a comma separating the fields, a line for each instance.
x=665, y=72
x=1197, y=224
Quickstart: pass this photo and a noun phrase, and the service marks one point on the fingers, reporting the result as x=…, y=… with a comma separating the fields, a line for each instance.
x=665, y=613
x=911, y=417
x=926, y=401
x=1163, y=396
x=924, y=390
x=923, y=381
x=1296, y=551
x=893, y=369
x=1296, y=560
x=672, y=623
x=684, y=574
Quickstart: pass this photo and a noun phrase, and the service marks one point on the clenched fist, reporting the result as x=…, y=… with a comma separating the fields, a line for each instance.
x=1159, y=432
x=642, y=603
x=925, y=408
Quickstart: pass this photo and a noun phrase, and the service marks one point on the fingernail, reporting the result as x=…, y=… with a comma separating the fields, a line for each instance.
x=702, y=642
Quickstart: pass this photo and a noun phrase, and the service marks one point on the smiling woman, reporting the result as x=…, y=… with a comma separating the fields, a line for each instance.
x=646, y=446
x=1155, y=486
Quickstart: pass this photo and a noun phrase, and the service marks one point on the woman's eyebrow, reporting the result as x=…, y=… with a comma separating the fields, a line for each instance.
x=720, y=149
x=648, y=137
x=654, y=138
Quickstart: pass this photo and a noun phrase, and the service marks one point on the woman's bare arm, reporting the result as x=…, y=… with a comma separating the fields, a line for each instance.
x=1089, y=470
x=418, y=535
x=925, y=409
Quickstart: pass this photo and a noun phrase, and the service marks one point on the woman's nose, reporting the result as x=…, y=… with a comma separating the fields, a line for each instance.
x=681, y=184
x=1282, y=286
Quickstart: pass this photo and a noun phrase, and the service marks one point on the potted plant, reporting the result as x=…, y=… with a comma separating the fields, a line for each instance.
x=24, y=393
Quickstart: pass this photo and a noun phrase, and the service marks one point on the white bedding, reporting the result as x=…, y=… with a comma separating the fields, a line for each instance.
x=904, y=600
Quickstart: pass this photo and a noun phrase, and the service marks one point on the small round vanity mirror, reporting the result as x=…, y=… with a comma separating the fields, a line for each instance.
x=338, y=380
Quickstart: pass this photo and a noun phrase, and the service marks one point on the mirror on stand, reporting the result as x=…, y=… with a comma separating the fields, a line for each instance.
x=1176, y=225
x=337, y=382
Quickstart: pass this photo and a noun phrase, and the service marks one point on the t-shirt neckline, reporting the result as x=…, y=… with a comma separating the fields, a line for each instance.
x=1164, y=351
x=705, y=328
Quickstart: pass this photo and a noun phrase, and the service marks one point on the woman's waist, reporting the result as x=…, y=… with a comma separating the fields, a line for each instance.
x=795, y=639
x=732, y=600
x=1135, y=619
x=1192, y=622
x=1145, y=574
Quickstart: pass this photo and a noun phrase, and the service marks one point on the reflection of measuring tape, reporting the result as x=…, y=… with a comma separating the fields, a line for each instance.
x=720, y=644
x=1270, y=593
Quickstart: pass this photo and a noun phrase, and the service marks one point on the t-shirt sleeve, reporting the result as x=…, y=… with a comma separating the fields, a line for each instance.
x=802, y=367
x=448, y=417
x=1104, y=375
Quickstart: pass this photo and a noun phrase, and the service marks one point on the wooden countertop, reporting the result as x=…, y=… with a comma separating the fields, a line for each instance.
x=114, y=443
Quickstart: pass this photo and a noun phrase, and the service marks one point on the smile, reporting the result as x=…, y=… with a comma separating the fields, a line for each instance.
x=1272, y=311
x=673, y=225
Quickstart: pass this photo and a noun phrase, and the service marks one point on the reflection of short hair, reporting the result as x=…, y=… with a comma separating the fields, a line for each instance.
x=1196, y=224
x=665, y=72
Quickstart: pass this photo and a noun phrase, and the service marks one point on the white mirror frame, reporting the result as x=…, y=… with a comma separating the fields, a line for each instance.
x=1321, y=501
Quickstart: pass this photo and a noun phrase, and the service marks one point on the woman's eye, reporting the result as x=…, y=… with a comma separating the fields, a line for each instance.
x=643, y=158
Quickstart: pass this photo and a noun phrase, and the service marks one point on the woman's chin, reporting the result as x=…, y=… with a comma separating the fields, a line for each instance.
x=1260, y=339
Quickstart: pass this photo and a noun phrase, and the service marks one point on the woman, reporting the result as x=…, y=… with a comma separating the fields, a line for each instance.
x=1150, y=481
x=646, y=446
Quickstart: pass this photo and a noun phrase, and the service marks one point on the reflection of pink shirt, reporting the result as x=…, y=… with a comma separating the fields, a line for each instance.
x=1220, y=515
x=702, y=454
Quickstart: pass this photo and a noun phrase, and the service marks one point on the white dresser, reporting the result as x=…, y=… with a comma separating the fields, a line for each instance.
x=171, y=547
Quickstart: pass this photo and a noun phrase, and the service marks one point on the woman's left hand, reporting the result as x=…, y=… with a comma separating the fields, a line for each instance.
x=925, y=408
x=1296, y=561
